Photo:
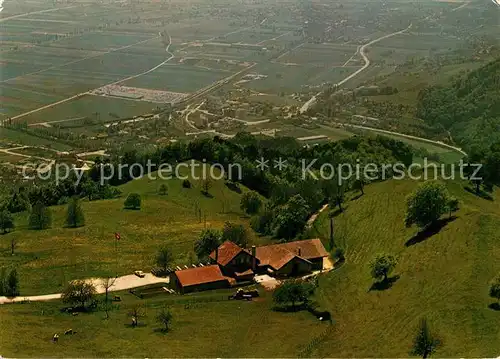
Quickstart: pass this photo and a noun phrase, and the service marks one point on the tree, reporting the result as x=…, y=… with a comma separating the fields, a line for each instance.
x=250, y=202
x=163, y=190
x=293, y=291
x=40, y=217
x=453, y=205
x=424, y=344
x=6, y=221
x=359, y=184
x=426, y=204
x=90, y=189
x=186, y=183
x=382, y=265
x=208, y=241
x=12, y=284
x=164, y=317
x=236, y=233
x=495, y=289
x=136, y=312
x=74, y=214
x=107, y=283
x=291, y=218
x=133, y=201
x=164, y=258
x=78, y=292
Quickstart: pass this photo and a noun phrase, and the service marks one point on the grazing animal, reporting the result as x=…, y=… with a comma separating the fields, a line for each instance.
x=55, y=338
x=69, y=331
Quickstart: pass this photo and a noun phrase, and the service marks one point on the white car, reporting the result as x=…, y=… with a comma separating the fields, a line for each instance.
x=140, y=273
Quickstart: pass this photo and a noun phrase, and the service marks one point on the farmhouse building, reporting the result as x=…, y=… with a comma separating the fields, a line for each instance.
x=232, y=264
x=292, y=258
x=235, y=261
x=200, y=278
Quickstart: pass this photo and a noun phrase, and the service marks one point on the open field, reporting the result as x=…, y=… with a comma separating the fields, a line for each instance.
x=229, y=329
x=105, y=109
x=321, y=54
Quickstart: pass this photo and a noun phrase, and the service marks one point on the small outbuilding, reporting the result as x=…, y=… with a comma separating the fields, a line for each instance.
x=198, y=279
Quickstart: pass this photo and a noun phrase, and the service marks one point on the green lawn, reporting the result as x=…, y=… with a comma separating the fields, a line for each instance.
x=444, y=278
x=208, y=326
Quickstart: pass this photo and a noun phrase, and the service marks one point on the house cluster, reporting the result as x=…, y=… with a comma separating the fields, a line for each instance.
x=232, y=264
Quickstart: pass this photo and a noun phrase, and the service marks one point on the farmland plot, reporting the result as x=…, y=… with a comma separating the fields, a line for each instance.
x=177, y=78
x=320, y=54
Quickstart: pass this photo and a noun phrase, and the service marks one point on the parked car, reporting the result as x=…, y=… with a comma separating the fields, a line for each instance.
x=140, y=273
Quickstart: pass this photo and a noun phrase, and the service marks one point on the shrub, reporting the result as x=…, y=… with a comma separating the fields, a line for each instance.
x=133, y=201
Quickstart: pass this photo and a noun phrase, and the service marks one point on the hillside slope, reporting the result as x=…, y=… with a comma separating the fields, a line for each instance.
x=469, y=108
x=444, y=278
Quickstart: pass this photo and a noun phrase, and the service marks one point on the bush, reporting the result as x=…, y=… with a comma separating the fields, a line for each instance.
x=250, y=202
x=186, y=184
x=163, y=189
x=133, y=201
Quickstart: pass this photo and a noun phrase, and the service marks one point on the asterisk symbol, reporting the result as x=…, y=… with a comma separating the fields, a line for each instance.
x=280, y=164
x=262, y=164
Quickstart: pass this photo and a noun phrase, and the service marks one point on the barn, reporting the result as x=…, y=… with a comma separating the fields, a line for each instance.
x=199, y=278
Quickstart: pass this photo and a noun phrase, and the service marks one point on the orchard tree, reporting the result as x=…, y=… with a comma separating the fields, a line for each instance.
x=206, y=184
x=293, y=292
x=133, y=201
x=164, y=317
x=74, y=213
x=424, y=344
x=40, y=217
x=426, y=204
x=164, y=258
x=78, y=292
x=236, y=233
x=382, y=265
x=208, y=241
x=6, y=221
x=251, y=202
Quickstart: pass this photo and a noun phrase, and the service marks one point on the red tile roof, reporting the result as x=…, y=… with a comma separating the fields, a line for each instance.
x=277, y=255
x=200, y=275
x=309, y=248
x=227, y=251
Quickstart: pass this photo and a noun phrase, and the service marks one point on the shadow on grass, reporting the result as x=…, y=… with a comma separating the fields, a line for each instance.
x=385, y=284
x=357, y=197
x=161, y=330
x=336, y=212
x=429, y=231
x=233, y=187
x=290, y=308
x=494, y=306
x=138, y=325
x=207, y=194
x=483, y=194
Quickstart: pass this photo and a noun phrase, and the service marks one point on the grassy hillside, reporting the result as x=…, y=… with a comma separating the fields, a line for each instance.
x=444, y=278
x=47, y=259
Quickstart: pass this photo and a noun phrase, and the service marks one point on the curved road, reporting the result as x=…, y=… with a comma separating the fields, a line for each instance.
x=362, y=49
